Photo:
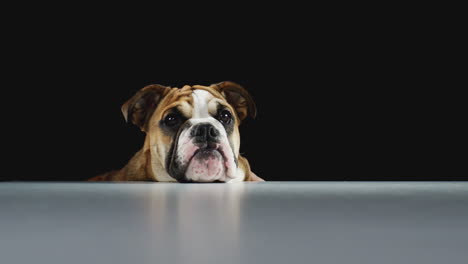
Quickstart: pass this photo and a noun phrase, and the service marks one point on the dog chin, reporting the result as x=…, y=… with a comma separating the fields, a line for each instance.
x=206, y=165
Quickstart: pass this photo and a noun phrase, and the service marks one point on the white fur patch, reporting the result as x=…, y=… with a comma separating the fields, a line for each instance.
x=204, y=103
x=200, y=104
x=201, y=113
x=240, y=176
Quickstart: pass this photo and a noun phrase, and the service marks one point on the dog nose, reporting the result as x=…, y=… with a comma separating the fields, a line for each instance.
x=205, y=132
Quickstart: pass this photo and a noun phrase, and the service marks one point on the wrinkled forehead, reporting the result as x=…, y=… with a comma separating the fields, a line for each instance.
x=194, y=101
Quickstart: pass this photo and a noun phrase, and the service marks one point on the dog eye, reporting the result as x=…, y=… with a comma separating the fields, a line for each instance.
x=225, y=117
x=172, y=120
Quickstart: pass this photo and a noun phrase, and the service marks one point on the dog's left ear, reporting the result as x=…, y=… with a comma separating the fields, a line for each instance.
x=141, y=106
x=238, y=97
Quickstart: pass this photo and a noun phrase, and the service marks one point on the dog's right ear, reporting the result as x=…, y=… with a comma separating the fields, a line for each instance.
x=141, y=106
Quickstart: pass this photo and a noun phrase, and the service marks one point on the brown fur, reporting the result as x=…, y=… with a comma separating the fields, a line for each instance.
x=140, y=111
x=135, y=170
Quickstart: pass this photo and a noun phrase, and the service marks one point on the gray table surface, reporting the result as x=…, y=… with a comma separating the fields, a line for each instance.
x=271, y=222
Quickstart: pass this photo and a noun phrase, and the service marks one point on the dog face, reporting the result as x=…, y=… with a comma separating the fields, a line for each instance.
x=192, y=132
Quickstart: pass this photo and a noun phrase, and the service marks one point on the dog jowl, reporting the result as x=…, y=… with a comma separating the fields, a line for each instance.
x=192, y=134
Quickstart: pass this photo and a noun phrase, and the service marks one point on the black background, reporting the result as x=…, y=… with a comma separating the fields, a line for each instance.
x=336, y=101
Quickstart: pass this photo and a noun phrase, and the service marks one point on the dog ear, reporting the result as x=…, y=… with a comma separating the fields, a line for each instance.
x=141, y=106
x=238, y=97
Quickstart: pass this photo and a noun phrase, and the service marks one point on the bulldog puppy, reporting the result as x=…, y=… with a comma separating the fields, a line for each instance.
x=192, y=134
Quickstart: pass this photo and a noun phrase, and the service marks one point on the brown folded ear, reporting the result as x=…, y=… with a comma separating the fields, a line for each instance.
x=238, y=97
x=141, y=106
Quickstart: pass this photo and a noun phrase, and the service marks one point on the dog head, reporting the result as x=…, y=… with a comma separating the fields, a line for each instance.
x=192, y=132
